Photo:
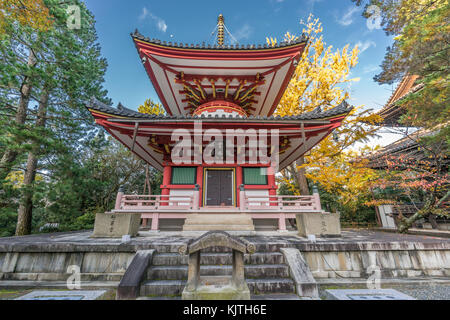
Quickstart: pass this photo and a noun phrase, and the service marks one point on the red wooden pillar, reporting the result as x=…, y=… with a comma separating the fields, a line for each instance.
x=200, y=183
x=165, y=191
x=238, y=185
x=272, y=185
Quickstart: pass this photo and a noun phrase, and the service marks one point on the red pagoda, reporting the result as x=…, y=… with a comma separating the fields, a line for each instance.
x=214, y=181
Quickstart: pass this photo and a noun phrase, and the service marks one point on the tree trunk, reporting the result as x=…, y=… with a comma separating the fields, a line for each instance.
x=405, y=224
x=426, y=211
x=10, y=154
x=301, y=178
x=26, y=204
x=432, y=219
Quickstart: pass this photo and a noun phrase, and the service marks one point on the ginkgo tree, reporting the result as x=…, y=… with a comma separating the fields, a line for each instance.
x=151, y=107
x=30, y=13
x=322, y=80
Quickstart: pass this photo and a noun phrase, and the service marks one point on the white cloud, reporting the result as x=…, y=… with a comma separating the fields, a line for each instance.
x=244, y=32
x=347, y=18
x=370, y=68
x=160, y=23
x=144, y=14
x=363, y=46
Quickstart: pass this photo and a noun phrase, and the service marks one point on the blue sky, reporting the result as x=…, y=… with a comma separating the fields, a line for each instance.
x=249, y=21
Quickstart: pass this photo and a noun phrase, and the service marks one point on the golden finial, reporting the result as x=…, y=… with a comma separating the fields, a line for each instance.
x=220, y=30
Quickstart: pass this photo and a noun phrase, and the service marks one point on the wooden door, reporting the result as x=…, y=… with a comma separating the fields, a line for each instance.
x=219, y=187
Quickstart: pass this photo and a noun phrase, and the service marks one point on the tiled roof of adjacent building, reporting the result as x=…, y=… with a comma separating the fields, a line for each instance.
x=391, y=112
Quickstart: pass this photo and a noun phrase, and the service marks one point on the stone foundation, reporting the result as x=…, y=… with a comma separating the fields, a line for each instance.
x=391, y=263
x=43, y=260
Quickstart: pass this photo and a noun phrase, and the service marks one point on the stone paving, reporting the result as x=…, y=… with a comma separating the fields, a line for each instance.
x=348, y=237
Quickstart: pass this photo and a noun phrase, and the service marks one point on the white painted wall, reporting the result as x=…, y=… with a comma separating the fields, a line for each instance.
x=181, y=192
x=263, y=195
x=220, y=113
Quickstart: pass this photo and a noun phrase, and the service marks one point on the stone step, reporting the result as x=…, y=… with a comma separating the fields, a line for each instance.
x=173, y=259
x=220, y=221
x=276, y=296
x=161, y=288
x=267, y=286
x=218, y=227
x=219, y=218
x=261, y=247
x=251, y=271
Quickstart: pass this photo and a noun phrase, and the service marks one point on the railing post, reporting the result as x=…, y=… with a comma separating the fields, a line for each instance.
x=119, y=199
x=242, y=197
x=317, y=204
x=282, y=222
x=196, y=197
x=155, y=221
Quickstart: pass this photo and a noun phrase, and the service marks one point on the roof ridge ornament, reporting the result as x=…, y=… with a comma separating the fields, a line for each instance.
x=220, y=30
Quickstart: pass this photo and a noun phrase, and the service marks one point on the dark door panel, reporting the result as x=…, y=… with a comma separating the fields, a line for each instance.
x=213, y=188
x=226, y=188
x=219, y=187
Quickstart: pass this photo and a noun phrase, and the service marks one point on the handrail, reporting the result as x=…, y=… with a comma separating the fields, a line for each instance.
x=154, y=202
x=284, y=202
x=253, y=203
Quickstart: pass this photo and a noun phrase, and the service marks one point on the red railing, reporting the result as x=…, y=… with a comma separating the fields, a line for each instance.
x=156, y=207
x=282, y=203
x=248, y=203
x=154, y=202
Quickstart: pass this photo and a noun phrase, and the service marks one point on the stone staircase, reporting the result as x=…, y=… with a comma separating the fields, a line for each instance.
x=265, y=271
x=219, y=221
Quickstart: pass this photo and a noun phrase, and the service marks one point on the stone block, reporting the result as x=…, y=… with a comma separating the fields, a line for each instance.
x=365, y=294
x=319, y=224
x=130, y=284
x=355, y=258
x=305, y=283
x=109, y=225
x=227, y=292
x=9, y=262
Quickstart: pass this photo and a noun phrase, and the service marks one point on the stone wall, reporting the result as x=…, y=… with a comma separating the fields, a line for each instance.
x=53, y=266
x=391, y=263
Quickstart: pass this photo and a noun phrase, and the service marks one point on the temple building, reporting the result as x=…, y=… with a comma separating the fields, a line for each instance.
x=409, y=147
x=219, y=145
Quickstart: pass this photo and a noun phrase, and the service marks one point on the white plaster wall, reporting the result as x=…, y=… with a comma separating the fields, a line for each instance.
x=181, y=192
x=220, y=113
x=263, y=195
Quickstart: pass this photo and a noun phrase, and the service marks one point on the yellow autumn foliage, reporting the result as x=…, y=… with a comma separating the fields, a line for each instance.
x=28, y=13
x=151, y=107
x=322, y=79
x=15, y=178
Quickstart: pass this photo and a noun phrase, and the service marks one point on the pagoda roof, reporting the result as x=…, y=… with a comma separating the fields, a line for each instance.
x=149, y=136
x=122, y=113
x=186, y=76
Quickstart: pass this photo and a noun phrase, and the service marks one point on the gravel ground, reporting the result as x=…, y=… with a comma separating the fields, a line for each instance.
x=426, y=292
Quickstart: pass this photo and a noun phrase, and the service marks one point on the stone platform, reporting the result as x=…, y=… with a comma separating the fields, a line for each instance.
x=42, y=261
